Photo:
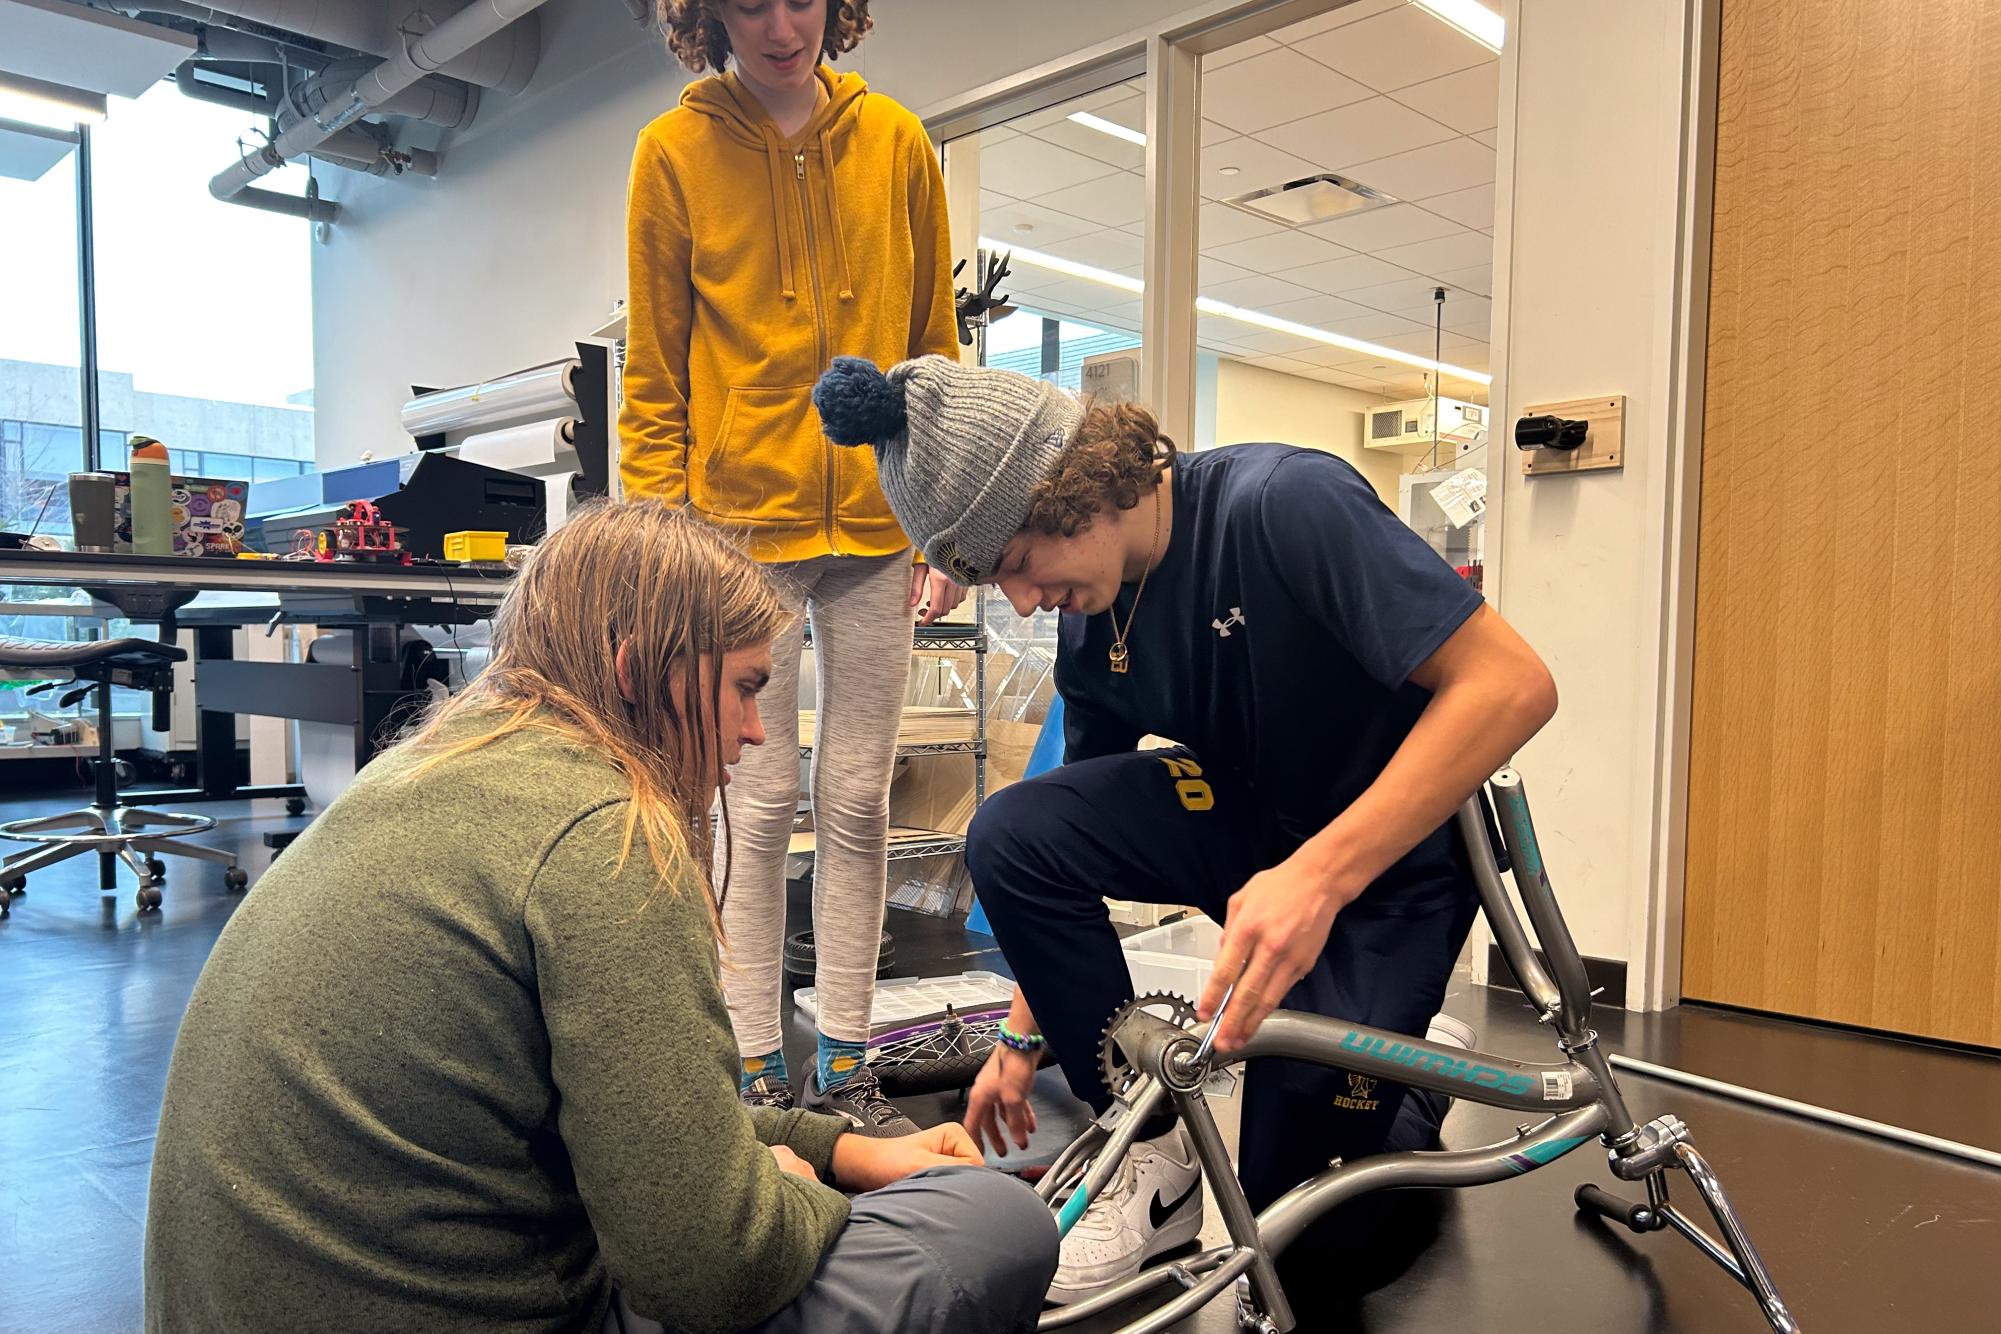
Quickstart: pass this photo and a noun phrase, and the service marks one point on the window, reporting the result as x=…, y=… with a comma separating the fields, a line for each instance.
x=204, y=309
x=203, y=329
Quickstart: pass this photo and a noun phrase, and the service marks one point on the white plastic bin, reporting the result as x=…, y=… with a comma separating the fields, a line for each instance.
x=1177, y=957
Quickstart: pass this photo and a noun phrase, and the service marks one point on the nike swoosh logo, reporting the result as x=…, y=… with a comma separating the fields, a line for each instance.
x=1160, y=1213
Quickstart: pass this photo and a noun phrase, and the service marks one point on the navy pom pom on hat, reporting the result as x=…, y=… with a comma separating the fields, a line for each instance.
x=957, y=449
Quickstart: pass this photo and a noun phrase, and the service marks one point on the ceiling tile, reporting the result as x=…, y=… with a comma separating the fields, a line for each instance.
x=1121, y=252
x=1210, y=271
x=1360, y=132
x=1129, y=111
x=1470, y=315
x=1112, y=201
x=1092, y=143
x=1471, y=208
x=1284, y=365
x=1222, y=224
x=1259, y=167
x=1491, y=138
x=1091, y=101
x=1353, y=12
x=1276, y=86
x=1444, y=252
x=1284, y=249
x=1081, y=294
x=1255, y=292
x=1343, y=275
x=1467, y=101
x=1409, y=295
x=1216, y=329
x=1382, y=228
x=1243, y=50
x=1456, y=164
x=1003, y=224
x=1322, y=312
x=1027, y=168
x=1395, y=49
x=1422, y=341
x=1269, y=342
x=1376, y=327
x=1214, y=132
x=1478, y=279
x=1349, y=380
x=991, y=200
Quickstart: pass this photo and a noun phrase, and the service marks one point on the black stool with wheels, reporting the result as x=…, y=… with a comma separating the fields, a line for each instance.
x=131, y=834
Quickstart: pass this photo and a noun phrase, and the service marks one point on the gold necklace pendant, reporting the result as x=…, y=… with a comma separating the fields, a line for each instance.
x=1121, y=660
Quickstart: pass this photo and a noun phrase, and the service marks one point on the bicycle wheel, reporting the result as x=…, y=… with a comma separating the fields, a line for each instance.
x=936, y=1053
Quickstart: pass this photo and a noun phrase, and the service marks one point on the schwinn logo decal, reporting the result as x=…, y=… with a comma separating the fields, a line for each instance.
x=1436, y=1063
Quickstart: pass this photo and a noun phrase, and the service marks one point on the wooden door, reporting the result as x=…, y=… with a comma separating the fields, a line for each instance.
x=1844, y=836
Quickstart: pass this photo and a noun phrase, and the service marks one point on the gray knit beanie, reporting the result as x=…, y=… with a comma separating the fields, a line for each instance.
x=957, y=449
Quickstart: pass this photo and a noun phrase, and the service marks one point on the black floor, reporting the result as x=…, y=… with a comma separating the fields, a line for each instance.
x=1862, y=1235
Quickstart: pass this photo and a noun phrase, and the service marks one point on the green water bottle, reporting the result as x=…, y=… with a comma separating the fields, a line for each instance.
x=152, y=498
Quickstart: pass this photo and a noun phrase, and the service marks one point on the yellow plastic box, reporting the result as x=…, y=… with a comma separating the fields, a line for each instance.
x=476, y=546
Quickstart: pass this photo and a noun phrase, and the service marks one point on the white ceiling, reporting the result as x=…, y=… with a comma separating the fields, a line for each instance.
x=1378, y=91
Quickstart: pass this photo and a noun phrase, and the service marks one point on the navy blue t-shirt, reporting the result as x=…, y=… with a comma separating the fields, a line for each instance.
x=1276, y=640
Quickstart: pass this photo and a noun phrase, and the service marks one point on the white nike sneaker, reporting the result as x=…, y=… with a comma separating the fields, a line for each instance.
x=1152, y=1204
x=1449, y=1032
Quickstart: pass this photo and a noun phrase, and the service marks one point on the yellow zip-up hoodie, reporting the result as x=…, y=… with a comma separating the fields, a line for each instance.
x=753, y=262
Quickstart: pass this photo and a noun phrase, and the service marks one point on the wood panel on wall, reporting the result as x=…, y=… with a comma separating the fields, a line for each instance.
x=1844, y=828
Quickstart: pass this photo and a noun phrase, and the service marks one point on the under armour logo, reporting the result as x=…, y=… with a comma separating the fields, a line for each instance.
x=1223, y=627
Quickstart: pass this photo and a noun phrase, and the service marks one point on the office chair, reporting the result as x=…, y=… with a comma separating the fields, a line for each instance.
x=131, y=834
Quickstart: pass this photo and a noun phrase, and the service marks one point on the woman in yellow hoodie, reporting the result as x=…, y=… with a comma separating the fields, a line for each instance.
x=780, y=216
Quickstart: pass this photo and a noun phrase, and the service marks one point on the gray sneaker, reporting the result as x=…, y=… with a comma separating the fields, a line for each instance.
x=861, y=1103
x=764, y=1091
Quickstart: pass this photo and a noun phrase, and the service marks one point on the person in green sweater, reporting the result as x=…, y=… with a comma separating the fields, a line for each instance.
x=462, y=1059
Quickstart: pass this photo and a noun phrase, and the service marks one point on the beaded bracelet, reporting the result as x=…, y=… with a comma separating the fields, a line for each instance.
x=1027, y=1043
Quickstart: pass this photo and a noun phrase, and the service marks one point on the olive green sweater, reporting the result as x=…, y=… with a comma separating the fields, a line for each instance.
x=450, y=1067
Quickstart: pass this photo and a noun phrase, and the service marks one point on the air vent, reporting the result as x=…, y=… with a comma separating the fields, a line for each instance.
x=1312, y=199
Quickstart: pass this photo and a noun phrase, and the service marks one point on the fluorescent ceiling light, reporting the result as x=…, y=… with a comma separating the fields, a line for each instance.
x=1471, y=17
x=1111, y=127
x=55, y=105
x=1211, y=306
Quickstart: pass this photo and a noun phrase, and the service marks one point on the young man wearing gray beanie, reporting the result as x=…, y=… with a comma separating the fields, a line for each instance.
x=1337, y=691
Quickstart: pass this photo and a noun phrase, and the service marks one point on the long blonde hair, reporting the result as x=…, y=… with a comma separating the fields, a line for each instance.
x=675, y=592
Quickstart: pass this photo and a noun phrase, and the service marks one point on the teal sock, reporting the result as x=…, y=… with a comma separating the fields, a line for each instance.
x=763, y=1067
x=838, y=1061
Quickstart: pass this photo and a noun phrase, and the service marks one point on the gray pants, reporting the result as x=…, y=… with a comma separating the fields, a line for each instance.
x=955, y=1250
x=860, y=607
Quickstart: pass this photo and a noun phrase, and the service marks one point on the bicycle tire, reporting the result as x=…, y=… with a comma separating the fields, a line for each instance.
x=921, y=1056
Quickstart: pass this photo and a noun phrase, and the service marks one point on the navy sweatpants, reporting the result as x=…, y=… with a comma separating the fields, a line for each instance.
x=1152, y=827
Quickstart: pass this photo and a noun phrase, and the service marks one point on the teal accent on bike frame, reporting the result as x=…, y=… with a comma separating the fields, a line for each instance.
x=1542, y=1155
x=1073, y=1209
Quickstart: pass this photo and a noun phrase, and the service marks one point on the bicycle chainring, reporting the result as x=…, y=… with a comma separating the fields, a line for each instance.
x=1120, y=1074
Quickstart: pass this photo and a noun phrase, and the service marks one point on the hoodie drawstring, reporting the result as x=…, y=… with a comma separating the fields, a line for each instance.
x=834, y=212
x=781, y=213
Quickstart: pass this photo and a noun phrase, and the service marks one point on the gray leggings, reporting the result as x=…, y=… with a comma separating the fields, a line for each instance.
x=955, y=1250
x=860, y=607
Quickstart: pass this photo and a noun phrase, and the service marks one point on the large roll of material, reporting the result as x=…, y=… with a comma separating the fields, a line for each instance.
x=540, y=391
x=535, y=448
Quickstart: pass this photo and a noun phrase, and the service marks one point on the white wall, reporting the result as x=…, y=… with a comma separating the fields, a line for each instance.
x=519, y=243
x=1590, y=234
x=1256, y=403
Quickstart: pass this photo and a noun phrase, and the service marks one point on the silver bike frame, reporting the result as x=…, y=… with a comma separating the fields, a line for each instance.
x=1578, y=1099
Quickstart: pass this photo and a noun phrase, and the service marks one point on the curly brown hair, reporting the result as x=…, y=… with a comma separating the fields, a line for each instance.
x=1117, y=456
x=698, y=39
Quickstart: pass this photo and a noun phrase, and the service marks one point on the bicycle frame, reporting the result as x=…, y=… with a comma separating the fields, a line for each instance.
x=1577, y=1097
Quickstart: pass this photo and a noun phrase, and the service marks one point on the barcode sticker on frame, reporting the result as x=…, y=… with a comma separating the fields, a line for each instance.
x=1556, y=1085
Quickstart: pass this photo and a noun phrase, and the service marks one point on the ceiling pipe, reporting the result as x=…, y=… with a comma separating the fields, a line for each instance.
x=357, y=150
x=316, y=210
x=505, y=60
x=434, y=100
x=205, y=19
x=461, y=32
